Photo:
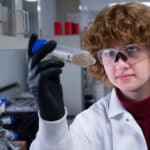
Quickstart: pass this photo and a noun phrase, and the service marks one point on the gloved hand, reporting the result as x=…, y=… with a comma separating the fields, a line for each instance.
x=44, y=80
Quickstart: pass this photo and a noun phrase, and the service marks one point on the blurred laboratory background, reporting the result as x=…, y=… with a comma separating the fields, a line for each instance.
x=60, y=20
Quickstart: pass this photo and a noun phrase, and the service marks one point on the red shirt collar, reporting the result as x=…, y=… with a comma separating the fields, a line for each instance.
x=139, y=109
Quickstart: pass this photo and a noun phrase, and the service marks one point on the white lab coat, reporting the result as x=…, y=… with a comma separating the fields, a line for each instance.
x=106, y=125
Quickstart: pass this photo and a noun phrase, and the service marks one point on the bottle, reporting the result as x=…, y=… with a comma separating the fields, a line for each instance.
x=3, y=144
x=78, y=57
x=7, y=120
x=9, y=134
x=3, y=104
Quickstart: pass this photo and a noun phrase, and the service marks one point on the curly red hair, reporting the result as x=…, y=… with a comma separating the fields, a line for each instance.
x=125, y=23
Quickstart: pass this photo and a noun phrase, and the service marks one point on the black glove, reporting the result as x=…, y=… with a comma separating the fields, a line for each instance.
x=44, y=81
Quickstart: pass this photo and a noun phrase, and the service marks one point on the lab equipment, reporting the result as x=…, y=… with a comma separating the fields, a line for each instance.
x=3, y=103
x=3, y=144
x=75, y=56
x=13, y=146
x=7, y=120
x=8, y=145
x=6, y=138
x=8, y=134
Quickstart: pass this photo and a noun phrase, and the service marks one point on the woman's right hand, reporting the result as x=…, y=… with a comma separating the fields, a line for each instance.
x=44, y=80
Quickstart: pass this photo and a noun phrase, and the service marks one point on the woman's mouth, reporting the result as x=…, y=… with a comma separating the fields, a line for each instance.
x=124, y=76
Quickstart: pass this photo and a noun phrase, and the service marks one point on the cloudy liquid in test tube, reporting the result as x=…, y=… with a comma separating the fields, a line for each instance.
x=78, y=57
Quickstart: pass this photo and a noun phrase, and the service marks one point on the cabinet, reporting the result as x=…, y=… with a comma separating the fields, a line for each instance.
x=13, y=24
x=14, y=20
x=14, y=33
x=18, y=19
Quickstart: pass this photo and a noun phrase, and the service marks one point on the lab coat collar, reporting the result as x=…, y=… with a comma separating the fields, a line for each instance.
x=115, y=108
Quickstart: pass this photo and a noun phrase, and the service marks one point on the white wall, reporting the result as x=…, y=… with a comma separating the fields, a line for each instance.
x=47, y=17
x=49, y=12
x=96, y=5
x=13, y=67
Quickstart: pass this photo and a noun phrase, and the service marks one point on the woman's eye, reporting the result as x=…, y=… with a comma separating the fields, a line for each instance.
x=109, y=53
x=132, y=49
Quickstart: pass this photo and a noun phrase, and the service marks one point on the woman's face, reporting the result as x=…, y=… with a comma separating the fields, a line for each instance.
x=130, y=77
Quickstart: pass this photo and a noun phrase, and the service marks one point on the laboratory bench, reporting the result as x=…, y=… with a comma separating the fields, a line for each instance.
x=25, y=124
x=23, y=110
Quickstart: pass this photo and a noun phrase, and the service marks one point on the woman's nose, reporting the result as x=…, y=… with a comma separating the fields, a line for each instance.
x=121, y=63
x=120, y=55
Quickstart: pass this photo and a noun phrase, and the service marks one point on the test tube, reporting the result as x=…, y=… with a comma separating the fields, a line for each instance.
x=75, y=56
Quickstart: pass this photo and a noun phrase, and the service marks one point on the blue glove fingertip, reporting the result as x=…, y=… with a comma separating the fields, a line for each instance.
x=37, y=45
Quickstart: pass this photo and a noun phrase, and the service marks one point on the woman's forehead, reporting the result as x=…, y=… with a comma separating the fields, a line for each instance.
x=115, y=43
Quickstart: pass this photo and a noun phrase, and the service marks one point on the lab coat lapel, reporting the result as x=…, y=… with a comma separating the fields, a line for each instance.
x=125, y=131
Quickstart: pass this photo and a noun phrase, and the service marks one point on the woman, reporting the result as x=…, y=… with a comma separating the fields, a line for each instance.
x=119, y=38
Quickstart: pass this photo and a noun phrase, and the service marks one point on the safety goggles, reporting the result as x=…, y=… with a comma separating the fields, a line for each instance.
x=131, y=53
